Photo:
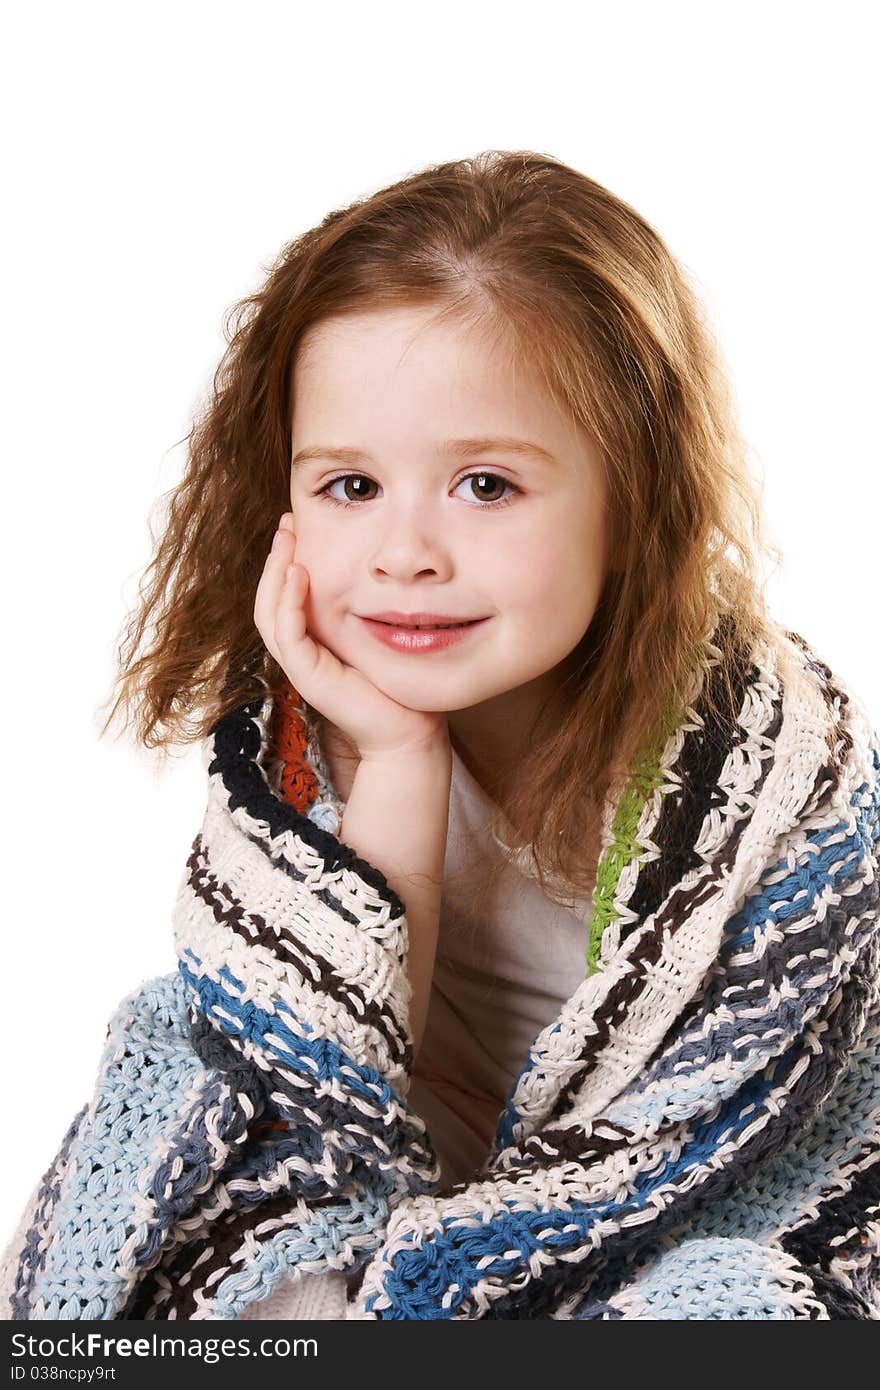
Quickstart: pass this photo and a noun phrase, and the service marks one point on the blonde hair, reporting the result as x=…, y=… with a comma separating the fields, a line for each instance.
x=591, y=298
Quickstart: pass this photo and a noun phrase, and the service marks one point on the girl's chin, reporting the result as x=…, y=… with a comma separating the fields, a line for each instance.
x=422, y=701
x=426, y=694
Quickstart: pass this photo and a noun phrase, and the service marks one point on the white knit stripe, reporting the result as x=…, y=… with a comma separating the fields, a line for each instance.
x=318, y=1296
x=270, y=981
x=371, y=915
x=700, y=1083
x=362, y=952
x=755, y=720
x=561, y=1188
x=13, y=1251
x=770, y=830
x=670, y=981
x=146, y=1214
x=629, y=1305
x=375, y=916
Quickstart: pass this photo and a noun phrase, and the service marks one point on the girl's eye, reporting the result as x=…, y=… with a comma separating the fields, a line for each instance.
x=490, y=480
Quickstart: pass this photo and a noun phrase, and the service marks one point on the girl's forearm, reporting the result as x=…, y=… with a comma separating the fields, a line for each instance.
x=396, y=818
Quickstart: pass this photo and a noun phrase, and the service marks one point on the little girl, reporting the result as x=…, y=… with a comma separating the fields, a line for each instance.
x=528, y=949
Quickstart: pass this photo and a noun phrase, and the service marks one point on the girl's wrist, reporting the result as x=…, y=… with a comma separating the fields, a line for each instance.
x=434, y=750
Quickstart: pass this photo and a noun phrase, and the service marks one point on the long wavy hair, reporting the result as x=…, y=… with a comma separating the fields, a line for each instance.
x=598, y=305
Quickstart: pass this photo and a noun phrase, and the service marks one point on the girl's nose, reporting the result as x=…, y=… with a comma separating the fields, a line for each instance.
x=408, y=539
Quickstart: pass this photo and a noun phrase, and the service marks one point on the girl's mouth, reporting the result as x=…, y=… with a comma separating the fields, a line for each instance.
x=420, y=639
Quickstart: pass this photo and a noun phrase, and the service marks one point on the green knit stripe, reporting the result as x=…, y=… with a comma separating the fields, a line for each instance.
x=624, y=846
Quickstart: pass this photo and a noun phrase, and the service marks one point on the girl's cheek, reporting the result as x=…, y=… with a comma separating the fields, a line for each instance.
x=323, y=607
x=525, y=578
x=308, y=548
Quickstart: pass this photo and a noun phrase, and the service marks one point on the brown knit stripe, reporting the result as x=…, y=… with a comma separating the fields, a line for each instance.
x=224, y=1247
x=679, y=905
x=168, y=1290
x=696, y=770
x=319, y=972
x=648, y=950
x=240, y=1232
x=557, y=1143
x=840, y=741
x=239, y=1229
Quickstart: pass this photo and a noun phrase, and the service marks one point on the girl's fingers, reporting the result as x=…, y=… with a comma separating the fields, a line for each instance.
x=309, y=666
x=279, y=613
x=340, y=692
x=313, y=670
x=270, y=587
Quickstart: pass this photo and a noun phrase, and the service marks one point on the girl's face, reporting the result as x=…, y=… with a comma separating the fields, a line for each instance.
x=440, y=519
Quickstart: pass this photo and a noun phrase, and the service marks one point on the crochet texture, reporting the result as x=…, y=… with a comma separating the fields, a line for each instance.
x=697, y=1135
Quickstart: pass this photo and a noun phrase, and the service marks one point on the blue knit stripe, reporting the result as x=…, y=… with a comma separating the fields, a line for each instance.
x=706, y=1040
x=142, y=1077
x=32, y=1255
x=798, y=1177
x=734, y=1035
x=785, y=901
x=320, y=1059
x=452, y=1256
x=337, y=1237
x=715, y=1280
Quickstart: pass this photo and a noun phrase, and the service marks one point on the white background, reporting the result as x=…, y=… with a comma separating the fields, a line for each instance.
x=157, y=158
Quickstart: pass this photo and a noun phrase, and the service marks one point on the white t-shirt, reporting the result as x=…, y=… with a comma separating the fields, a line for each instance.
x=507, y=959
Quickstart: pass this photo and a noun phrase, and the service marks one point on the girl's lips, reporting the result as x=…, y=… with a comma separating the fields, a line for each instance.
x=407, y=639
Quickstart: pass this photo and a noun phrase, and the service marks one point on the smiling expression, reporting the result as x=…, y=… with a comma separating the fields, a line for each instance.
x=416, y=512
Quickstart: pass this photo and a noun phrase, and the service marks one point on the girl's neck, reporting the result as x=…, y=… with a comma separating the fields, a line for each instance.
x=493, y=738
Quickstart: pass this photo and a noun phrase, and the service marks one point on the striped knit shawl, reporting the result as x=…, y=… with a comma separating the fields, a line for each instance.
x=695, y=1135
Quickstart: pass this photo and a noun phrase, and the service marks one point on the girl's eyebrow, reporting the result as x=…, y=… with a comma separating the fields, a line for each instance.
x=463, y=448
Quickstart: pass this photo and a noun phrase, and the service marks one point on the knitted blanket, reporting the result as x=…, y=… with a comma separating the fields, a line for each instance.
x=697, y=1135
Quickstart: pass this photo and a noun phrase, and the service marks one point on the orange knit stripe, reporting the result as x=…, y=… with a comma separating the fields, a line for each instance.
x=298, y=783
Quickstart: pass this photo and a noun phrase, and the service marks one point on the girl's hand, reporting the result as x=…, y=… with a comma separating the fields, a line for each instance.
x=377, y=725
